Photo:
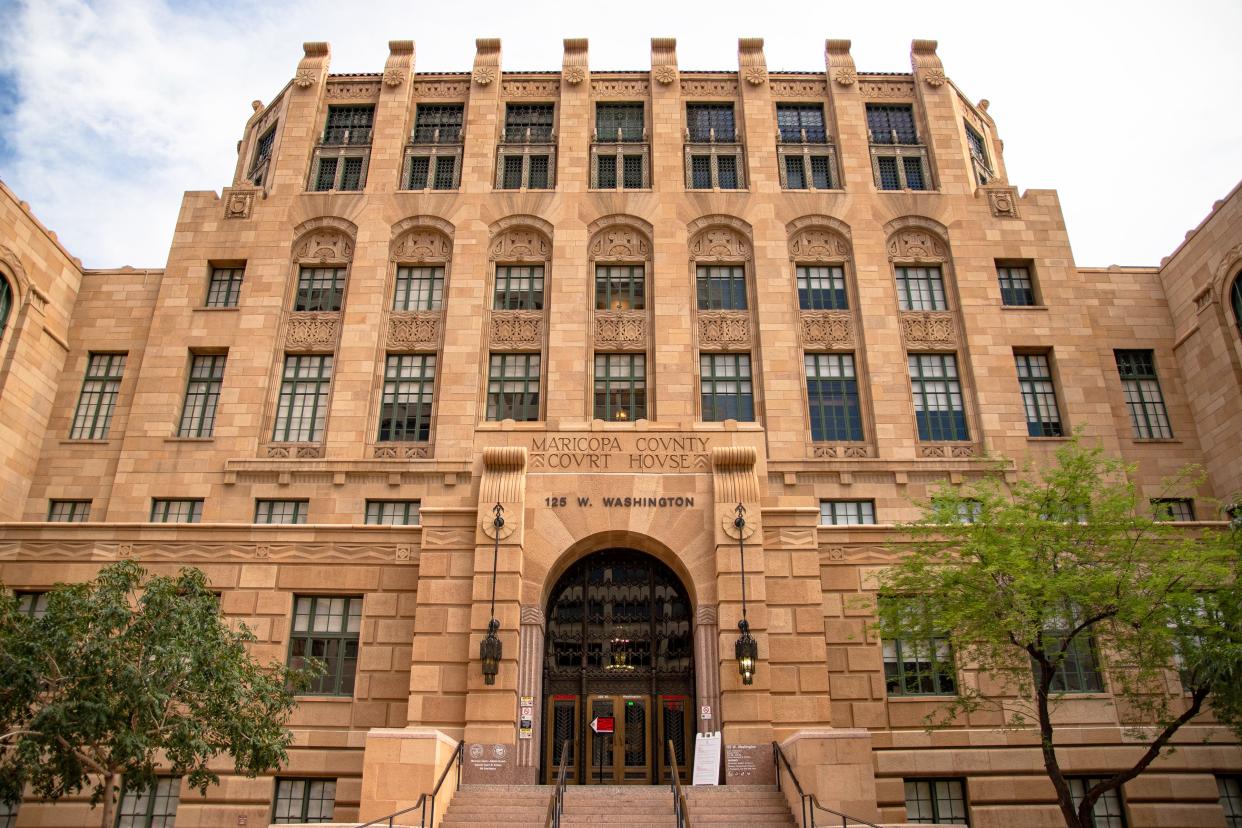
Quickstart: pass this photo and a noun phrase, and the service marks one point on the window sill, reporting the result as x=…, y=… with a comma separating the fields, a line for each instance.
x=84, y=442
x=215, y=310
x=936, y=698
x=1049, y=439
x=1024, y=307
x=621, y=190
x=717, y=189
x=189, y=439
x=1169, y=440
x=1090, y=695
x=812, y=189
x=302, y=698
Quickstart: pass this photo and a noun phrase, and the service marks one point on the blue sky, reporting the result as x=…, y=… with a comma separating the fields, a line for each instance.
x=113, y=108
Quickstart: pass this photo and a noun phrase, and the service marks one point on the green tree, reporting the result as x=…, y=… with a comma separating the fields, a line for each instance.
x=1034, y=582
x=126, y=674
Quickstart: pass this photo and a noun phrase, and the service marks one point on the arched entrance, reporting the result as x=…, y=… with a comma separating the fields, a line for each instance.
x=619, y=644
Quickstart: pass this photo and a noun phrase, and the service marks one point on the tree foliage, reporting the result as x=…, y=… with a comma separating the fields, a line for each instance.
x=127, y=674
x=1070, y=561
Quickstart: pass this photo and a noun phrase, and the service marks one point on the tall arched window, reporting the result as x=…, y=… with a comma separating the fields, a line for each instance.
x=6, y=302
x=1235, y=299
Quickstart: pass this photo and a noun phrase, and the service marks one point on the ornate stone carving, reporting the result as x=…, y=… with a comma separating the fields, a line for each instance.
x=353, y=91
x=842, y=451
x=441, y=89
x=529, y=88
x=756, y=75
x=301, y=451
x=620, y=88
x=934, y=77
x=416, y=330
x=828, y=329
x=948, y=451
x=918, y=245
x=312, y=331
x=323, y=243
x=845, y=77
x=785, y=88
x=1203, y=300
x=516, y=329
x=420, y=244
x=401, y=452
x=724, y=329
x=928, y=330
x=304, y=78
x=238, y=203
x=664, y=74
x=393, y=77
x=621, y=329
x=714, y=87
x=620, y=242
x=819, y=244
x=574, y=75
x=520, y=244
x=899, y=89
x=721, y=244
x=484, y=75
x=1003, y=202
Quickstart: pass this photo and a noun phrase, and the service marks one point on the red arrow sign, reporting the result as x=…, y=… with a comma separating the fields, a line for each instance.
x=603, y=724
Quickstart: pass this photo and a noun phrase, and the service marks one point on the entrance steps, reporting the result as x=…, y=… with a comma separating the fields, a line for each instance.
x=617, y=806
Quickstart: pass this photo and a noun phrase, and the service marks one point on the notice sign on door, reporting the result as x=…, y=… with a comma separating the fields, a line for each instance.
x=526, y=717
x=707, y=759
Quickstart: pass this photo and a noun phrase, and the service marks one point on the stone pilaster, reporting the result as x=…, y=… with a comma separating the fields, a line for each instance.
x=530, y=685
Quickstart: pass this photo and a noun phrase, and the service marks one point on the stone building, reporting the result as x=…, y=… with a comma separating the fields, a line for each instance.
x=617, y=305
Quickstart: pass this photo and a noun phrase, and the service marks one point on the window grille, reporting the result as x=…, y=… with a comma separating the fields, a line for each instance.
x=721, y=287
x=224, y=287
x=620, y=287
x=419, y=171
x=393, y=512
x=1144, y=401
x=1230, y=788
x=528, y=123
x=320, y=289
x=938, y=407
x=433, y=156
x=801, y=123
x=409, y=390
x=325, y=179
x=822, y=287
x=1016, y=286
x=303, y=405
x=525, y=167
x=1235, y=299
x=891, y=124
x=620, y=387
x=913, y=169
x=6, y=305
x=348, y=125
x=633, y=171
x=726, y=172
x=710, y=122
x=1173, y=508
x=846, y=512
x=150, y=807
x=713, y=153
x=1108, y=811
x=889, y=179
x=899, y=161
x=513, y=172
x=419, y=288
x=351, y=174
x=100, y=388
x=936, y=801
x=920, y=289
x=606, y=171
x=537, y=172
x=701, y=172
x=725, y=387
x=32, y=604
x=340, y=160
x=202, y=394
x=518, y=287
x=281, y=511
x=187, y=510
x=262, y=157
x=919, y=667
x=795, y=173
x=832, y=396
x=1039, y=396
x=978, y=156
x=438, y=124
x=304, y=801
x=1079, y=670
x=326, y=627
x=513, y=387
x=619, y=122
x=69, y=511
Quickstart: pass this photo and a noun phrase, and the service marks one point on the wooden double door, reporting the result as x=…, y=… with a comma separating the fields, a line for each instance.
x=635, y=753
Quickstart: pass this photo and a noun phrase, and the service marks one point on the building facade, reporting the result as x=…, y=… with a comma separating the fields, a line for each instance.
x=610, y=308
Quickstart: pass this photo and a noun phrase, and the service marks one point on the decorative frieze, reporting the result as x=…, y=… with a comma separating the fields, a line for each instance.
x=619, y=242
x=312, y=331
x=827, y=329
x=323, y=245
x=949, y=450
x=916, y=245
x=784, y=88
x=621, y=330
x=720, y=244
x=421, y=244
x=530, y=88
x=238, y=202
x=401, y=452
x=841, y=452
x=365, y=91
x=709, y=87
x=520, y=244
x=818, y=244
x=886, y=88
x=516, y=329
x=414, y=330
x=456, y=89
x=924, y=330
x=298, y=451
x=719, y=330
x=620, y=88
x=1003, y=201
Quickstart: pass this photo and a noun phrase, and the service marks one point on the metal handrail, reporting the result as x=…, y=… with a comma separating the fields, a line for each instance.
x=423, y=799
x=556, y=805
x=680, y=809
x=810, y=803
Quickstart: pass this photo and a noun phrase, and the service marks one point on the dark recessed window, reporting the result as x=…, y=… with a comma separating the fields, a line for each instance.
x=151, y=807
x=224, y=287
x=1016, y=286
x=801, y=123
x=301, y=801
x=202, y=393
x=822, y=287
x=1173, y=508
x=710, y=122
x=438, y=123
x=936, y=801
x=281, y=511
x=320, y=289
x=409, y=391
x=303, y=405
x=726, y=390
x=1039, y=396
x=518, y=287
x=69, y=511
x=1108, y=811
x=326, y=627
x=891, y=124
x=938, y=407
x=832, y=396
x=620, y=287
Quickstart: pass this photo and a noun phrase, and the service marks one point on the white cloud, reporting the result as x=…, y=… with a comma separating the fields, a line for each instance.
x=1126, y=108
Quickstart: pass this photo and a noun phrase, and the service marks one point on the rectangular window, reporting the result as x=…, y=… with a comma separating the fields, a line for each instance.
x=795, y=173
x=164, y=510
x=446, y=172
x=821, y=172
x=1079, y=672
x=512, y=179
x=326, y=627
x=409, y=390
x=351, y=173
x=33, y=604
x=620, y=387
x=975, y=142
x=438, y=123
x=1144, y=401
x=801, y=123
x=607, y=171
x=1174, y=508
x=969, y=511
x=632, y=172
x=721, y=287
x=392, y=512
x=202, y=393
x=304, y=800
x=281, y=511
x=913, y=168
x=936, y=801
x=1230, y=788
x=326, y=176
x=1108, y=811
x=919, y=667
x=8, y=815
x=420, y=169
x=100, y=388
x=349, y=124
x=620, y=287
x=320, y=289
x=822, y=287
x=725, y=387
x=303, y=406
x=701, y=172
x=710, y=122
x=224, y=286
x=1039, y=396
x=154, y=807
x=889, y=178
x=513, y=387
x=1016, y=287
x=832, y=395
x=529, y=123
x=846, y=512
x=891, y=124
x=419, y=288
x=938, y=407
x=518, y=288
x=262, y=154
x=538, y=172
x=69, y=511
x=618, y=122
x=726, y=171
x=920, y=289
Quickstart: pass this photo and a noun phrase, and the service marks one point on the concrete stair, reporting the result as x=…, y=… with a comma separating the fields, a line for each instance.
x=617, y=806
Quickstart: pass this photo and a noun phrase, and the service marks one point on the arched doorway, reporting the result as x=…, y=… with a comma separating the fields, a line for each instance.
x=619, y=644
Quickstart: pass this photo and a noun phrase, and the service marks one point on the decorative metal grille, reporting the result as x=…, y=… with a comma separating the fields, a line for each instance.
x=438, y=124
x=619, y=122
x=100, y=388
x=832, y=395
x=1039, y=396
x=529, y=123
x=202, y=393
x=891, y=124
x=348, y=125
x=326, y=627
x=725, y=387
x=409, y=392
x=710, y=122
x=262, y=157
x=1144, y=400
x=938, y=406
x=801, y=123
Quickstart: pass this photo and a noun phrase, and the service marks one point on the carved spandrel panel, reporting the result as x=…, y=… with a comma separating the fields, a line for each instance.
x=841, y=451
x=621, y=330
x=827, y=329
x=516, y=330
x=925, y=330
x=312, y=331
x=720, y=330
x=620, y=242
x=416, y=330
x=520, y=244
x=916, y=245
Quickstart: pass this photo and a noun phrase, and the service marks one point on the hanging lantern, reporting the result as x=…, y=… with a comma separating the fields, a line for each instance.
x=747, y=652
x=490, y=650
